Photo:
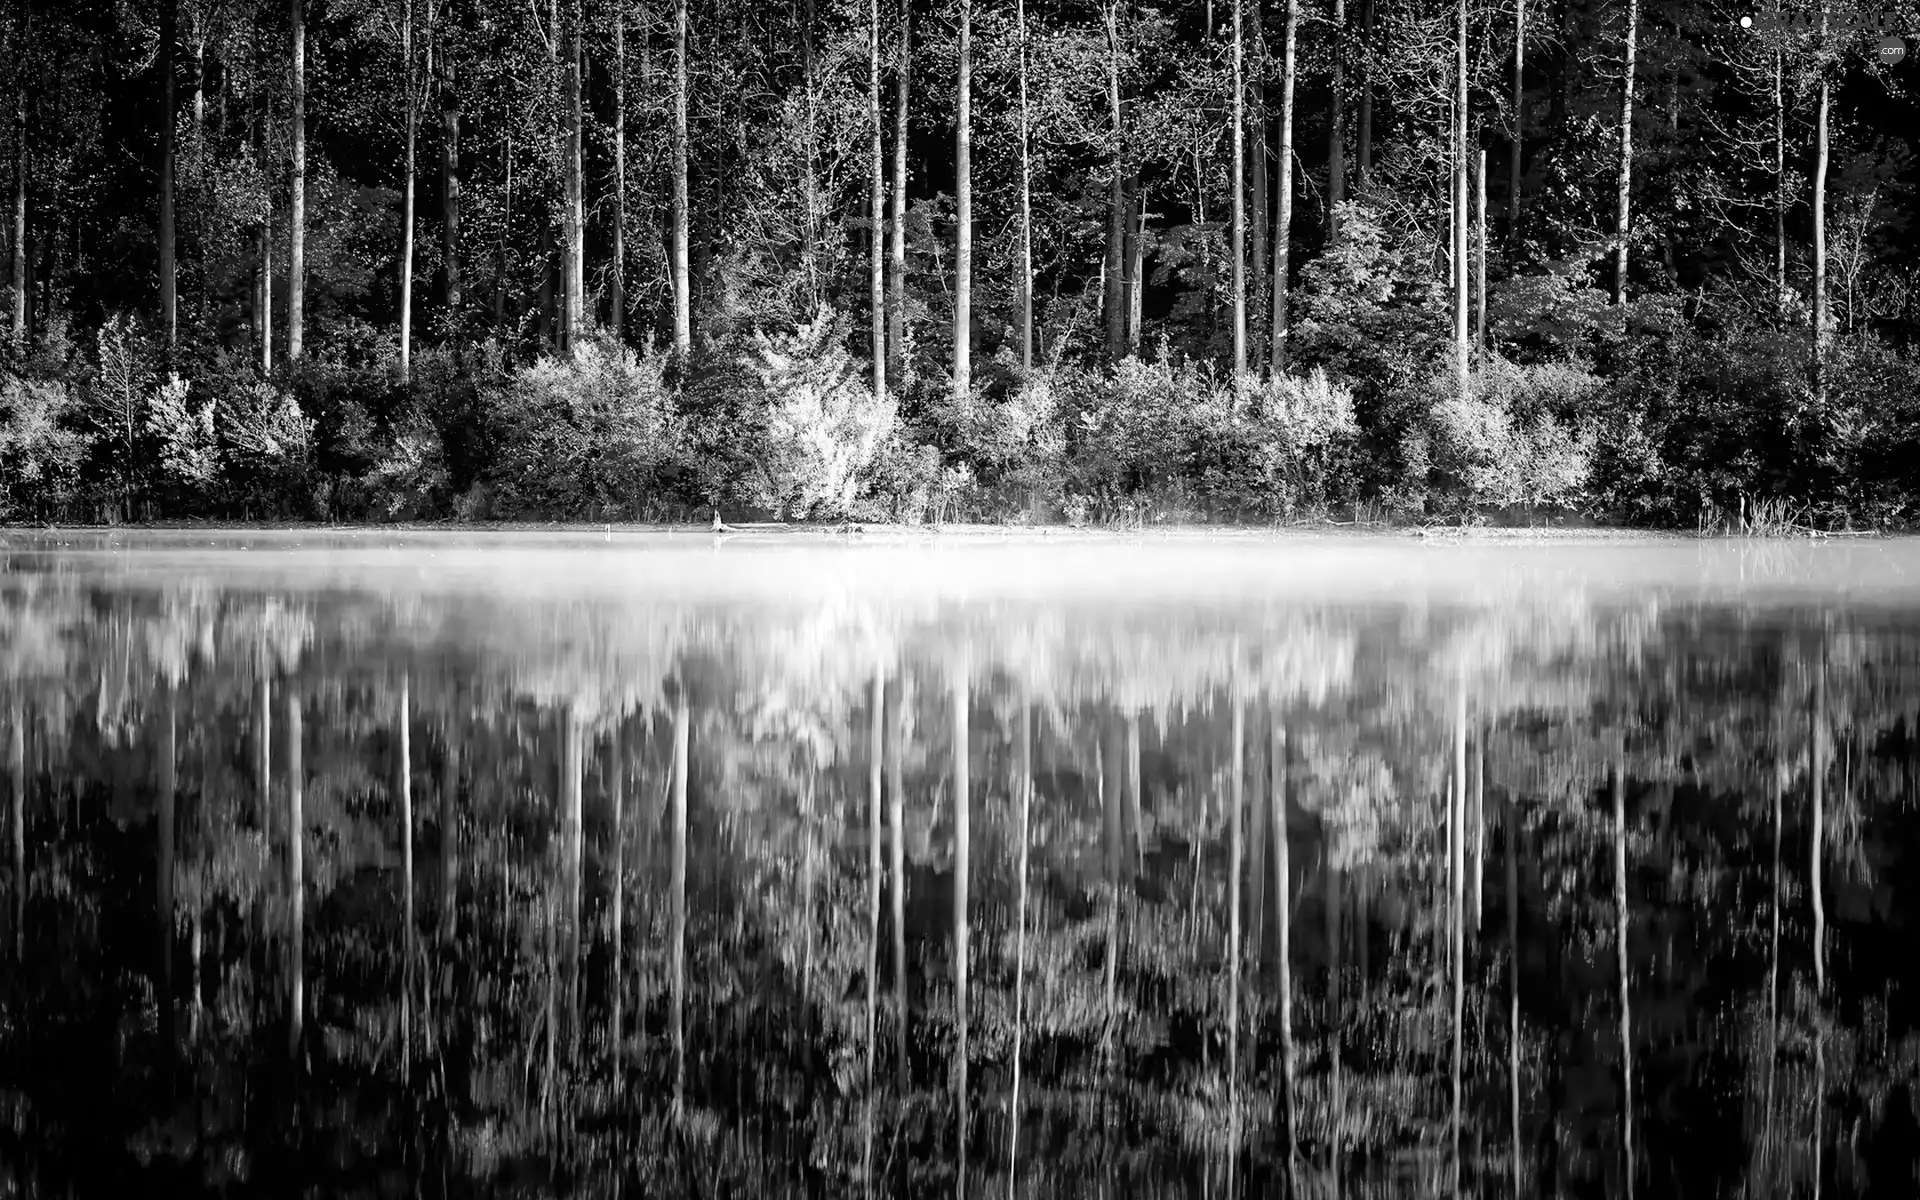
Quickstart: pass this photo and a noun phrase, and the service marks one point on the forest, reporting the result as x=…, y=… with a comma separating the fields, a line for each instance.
x=465, y=893
x=1026, y=261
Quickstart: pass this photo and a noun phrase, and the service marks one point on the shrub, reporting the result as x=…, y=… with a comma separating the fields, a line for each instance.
x=589, y=435
x=41, y=446
x=1290, y=451
x=1518, y=438
x=820, y=426
x=267, y=442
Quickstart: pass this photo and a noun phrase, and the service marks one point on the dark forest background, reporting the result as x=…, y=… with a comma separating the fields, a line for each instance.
x=630, y=259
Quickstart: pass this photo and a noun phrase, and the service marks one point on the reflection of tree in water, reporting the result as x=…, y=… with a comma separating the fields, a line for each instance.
x=567, y=895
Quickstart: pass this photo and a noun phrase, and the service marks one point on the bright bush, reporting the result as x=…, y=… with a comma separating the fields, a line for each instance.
x=42, y=446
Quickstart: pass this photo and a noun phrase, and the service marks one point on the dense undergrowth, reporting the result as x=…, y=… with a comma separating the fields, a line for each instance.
x=1691, y=412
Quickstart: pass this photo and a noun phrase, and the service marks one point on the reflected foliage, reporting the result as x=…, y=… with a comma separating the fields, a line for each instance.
x=530, y=955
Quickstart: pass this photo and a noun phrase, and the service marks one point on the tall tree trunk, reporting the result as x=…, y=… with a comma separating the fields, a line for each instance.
x=168, y=791
x=403, y=786
x=1257, y=154
x=617, y=284
x=261, y=115
x=1519, y=118
x=877, y=215
x=1620, y=939
x=876, y=735
x=506, y=227
x=897, y=868
x=1283, y=222
x=1025, y=300
x=169, y=283
x=962, y=804
x=682, y=280
x=1622, y=200
x=452, y=293
x=1136, y=261
x=1779, y=178
x=1283, y=919
x=17, y=823
x=677, y=1012
x=296, y=877
x=897, y=250
x=1237, y=797
x=411, y=118
x=1460, y=367
x=1821, y=152
x=1363, y=151
x=963, y=218
x=1239, y=223
x=1480, y=349
x=810, y=180
x=1456, y=879
x=573, y=273
x=1114, y=299
x=17, y=323
x=1023, y=790
x=1513, y=987
x=1337, y=126
x=297, y=202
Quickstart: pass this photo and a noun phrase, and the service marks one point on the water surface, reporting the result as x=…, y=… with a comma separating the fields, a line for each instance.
x=661, y=865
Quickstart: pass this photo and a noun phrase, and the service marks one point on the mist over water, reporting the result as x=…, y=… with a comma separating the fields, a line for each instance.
x=647, y=864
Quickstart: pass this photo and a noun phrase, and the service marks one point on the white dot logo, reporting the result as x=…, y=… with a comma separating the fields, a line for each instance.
x=1746, y=22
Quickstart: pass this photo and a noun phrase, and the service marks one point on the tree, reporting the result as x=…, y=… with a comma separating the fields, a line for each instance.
x=169, y=37
x=876, y=213
x=617, y=280
x=1623, y=198
x=1239, y=228
x=1519, y=118
x=23, y=26
x=573, y=271
x=963, y=216
x=1336, y=125
x=297, y=204
x=682, y=277
x=897, y=249
x=1026, y=198
x=411, y=119
x=450, y=195
x=1821, y=153
x=1115, y=299
x=1283, y=222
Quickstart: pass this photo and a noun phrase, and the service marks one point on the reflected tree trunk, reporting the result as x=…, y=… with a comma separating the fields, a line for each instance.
x=1283, y=928
x=296, y=877
x=1818, y=756
x=896, y=817
x=17, y=823
x=1023, y=792
x=1620, y=939
x=1456, y=854
x=168, y=788
x=1773, y=960
x=1237, y=798
x=875, y=771
x=962, y=794
x=1477, y=836
x=1513, y=985
x=617, y=905
x=1107, y=764
x=1330, y=883
x=573, y=766
x=678, y=1003
x=403, y=785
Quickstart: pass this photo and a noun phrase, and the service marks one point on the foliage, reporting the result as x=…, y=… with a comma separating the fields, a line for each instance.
x=819, y=425
x=42, y=447
x=590, y=435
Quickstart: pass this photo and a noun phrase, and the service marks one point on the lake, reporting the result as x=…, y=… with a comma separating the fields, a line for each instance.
x=787, y=864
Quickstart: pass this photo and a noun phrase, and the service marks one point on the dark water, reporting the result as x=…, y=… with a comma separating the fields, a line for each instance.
x=656, y=867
